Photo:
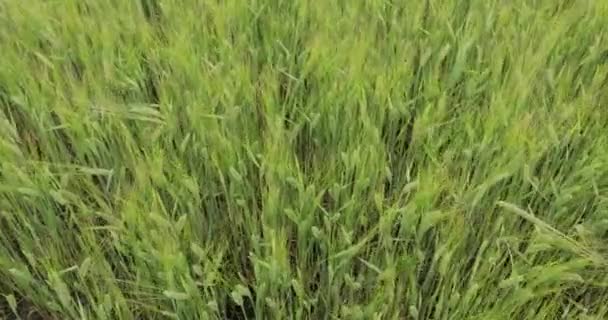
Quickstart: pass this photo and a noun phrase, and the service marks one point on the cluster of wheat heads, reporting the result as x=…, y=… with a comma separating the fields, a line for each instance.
x=246, y=159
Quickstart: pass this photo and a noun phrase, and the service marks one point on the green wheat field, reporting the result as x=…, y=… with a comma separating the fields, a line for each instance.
x=299, y=159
